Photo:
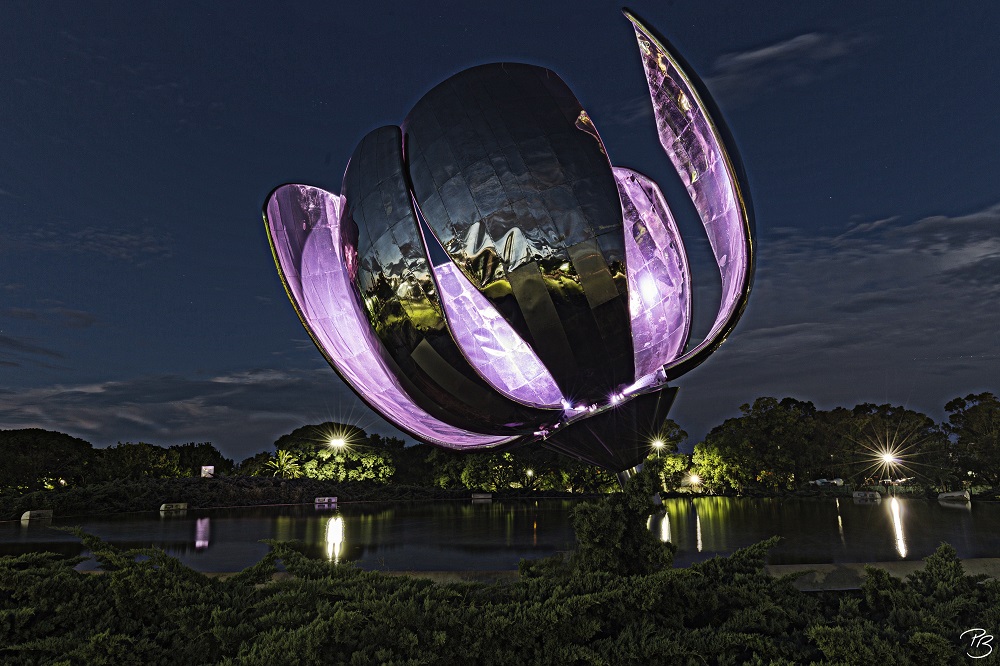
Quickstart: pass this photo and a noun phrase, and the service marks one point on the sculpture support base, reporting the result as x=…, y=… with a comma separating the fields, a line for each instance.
x=626, y=474
x=620, y=438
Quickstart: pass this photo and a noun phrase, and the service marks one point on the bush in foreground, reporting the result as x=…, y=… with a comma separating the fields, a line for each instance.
x=149, y=609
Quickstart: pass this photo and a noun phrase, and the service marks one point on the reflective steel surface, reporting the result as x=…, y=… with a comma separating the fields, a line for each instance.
x=694, y=141
x=487, y=277
x=519, y=205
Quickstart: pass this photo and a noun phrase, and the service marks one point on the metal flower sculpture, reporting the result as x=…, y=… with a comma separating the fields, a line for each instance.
x=487, y=278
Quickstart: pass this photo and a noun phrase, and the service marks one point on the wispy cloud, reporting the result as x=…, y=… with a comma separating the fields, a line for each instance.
x=63, y=317
x=125, y=245
x=742, y=76
x=793, y=62
x=627, y=111
x=21, y=345
x=241, y=412
x=888, y=310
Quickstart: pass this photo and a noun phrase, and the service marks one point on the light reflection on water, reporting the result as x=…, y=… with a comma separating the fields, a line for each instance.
x=840, y=524
x=460, y=536
x=334, y=538
x=897, y=526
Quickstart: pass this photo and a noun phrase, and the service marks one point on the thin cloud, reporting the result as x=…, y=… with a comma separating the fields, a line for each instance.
x=63, y=317
x=70, y=318
x=626, y=112
x=241, y=412
x=887, y=311
x=20, y=313
x=794, y=62
x=23, y=346
x=130, y=246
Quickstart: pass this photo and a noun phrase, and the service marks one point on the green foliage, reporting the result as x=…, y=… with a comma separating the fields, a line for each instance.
x=912, y=437
x=149, y=494
x=773, y=447
x=780, y=445
x=671, y=470
x=974, y=422
x=147, y=608
x=913, y=621
x=139, y=460
x=34, y=459
x=612, y=535
x=530, y=467
x=255, y=465
x=768, y=448
x=40, y=459
x=335, y=452
x=286, y=465
x=192, y=457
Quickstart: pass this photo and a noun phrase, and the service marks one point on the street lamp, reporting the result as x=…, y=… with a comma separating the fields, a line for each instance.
x=337, y=443
x=889, y=461
x=658, y=444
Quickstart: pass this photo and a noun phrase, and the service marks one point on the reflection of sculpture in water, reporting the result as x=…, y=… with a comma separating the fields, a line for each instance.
x=202, y=532
x=487, y=278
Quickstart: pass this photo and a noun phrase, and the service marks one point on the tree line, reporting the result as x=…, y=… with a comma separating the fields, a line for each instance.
x=38, y=460
x=777, y=445
x=773, y=446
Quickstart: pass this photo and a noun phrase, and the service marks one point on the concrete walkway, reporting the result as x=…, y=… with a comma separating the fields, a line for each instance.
x=849, y=576
x=816, y=577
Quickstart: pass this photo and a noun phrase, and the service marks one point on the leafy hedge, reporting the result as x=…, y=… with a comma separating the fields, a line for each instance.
x=149, y=609
x=614, y=601
x=149, y=494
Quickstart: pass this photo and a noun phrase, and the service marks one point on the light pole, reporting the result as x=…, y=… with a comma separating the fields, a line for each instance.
x=658, y=444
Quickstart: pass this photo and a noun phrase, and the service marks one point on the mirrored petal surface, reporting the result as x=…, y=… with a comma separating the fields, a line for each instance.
x=512, y=178
x=490, y=344
x=321, y=289
x=658, y=275
x=402, y=302
x=692, y=141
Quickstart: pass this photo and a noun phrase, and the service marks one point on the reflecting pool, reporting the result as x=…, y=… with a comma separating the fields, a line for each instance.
x=495, y=536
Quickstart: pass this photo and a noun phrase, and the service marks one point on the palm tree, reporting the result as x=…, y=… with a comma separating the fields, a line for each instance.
x=285, y=465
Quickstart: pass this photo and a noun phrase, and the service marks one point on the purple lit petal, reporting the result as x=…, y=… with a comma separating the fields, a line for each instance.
x=329, y=307
x=658, y=275
x=491, y=345
x=693, y=144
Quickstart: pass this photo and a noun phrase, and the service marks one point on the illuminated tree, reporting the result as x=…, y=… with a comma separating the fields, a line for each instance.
x=285, y=465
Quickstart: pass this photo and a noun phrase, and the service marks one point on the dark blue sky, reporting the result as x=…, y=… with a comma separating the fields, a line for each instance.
x=139, y=300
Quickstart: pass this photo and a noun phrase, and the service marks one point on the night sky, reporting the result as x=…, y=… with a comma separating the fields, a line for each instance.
x=139, y=300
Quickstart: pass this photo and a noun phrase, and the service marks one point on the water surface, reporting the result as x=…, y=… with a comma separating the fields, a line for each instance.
x=493, y=536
